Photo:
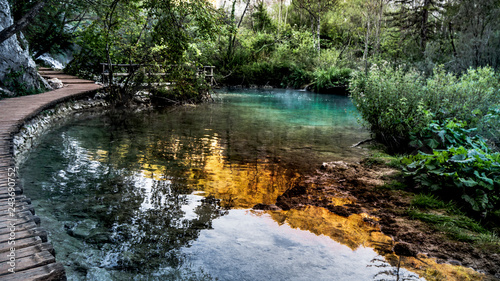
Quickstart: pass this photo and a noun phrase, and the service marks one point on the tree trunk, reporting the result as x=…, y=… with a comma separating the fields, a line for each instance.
x=22, y=23
x=318, y=33
x=380, y=11
x=424, y=25
x=367, y=38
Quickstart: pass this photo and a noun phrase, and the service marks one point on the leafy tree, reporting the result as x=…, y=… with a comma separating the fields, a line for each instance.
x=261, y=20
x=417, y=19
x=473, y=33
x=316, y=9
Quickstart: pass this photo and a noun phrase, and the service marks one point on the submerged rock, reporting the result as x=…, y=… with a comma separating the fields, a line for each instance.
x=98, y=274
x=82, y=229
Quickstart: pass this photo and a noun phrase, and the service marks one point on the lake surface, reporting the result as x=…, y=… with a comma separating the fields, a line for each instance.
x=167, y=195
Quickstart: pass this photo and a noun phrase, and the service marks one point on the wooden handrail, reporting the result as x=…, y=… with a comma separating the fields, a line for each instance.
x=204, y=69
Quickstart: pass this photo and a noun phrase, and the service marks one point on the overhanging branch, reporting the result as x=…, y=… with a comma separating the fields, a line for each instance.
x=22, y=23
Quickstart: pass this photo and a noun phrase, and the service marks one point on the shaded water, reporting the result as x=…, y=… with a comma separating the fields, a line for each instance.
x=167, y=195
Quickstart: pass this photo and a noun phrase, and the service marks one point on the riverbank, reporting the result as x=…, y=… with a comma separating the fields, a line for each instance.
x=371, y=187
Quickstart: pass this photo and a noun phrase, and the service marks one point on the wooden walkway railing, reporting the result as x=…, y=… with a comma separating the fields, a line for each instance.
x=25, y=253
x=206, y=71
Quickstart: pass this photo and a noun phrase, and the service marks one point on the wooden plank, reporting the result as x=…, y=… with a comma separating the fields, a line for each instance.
x=21, y=216
x=4, y=204
x=24, y=252
x=6, y=221
x=5, y=194
x=34, y=258
x=6, y=228
x=22, y=243
x=19, y=235
x=6, y=210
x=18, y=199
x=31, y=261
x=50, y=272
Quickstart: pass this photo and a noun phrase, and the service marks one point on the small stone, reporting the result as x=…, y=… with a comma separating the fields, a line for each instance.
x=404, y=249
x=55, y=83
x=335, y=165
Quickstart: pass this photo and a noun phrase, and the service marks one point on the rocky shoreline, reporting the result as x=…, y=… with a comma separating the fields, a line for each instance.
x=354, y=188
x=31, y=130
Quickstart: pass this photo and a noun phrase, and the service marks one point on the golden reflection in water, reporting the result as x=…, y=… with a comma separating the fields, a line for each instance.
x=207, y=170
x=354, y=233
x=240, y=185
x=244, y=185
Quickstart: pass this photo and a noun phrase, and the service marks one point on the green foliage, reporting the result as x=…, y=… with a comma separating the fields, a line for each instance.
x=53, y=29
x=392, y=102
x=394, y=185
x=331, y=79
x=446, y=217
x=458, y=227
x=467, y=98
x=465, y=170
x=160, y=36
x=261, y=20
x=489, y=126
x=431, y=201
x=14, y=83
x=398, y=104
x=298, y=78
x=188, y=88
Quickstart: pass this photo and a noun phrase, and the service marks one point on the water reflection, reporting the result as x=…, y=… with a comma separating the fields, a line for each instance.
x=159, y=195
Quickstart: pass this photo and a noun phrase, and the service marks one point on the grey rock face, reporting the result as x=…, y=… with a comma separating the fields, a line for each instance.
x=15, y=59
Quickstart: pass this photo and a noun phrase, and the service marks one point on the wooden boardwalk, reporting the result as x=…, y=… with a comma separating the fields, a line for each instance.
x=25, y=253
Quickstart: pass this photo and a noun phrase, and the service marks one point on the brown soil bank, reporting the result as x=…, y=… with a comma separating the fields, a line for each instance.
x=352, y=188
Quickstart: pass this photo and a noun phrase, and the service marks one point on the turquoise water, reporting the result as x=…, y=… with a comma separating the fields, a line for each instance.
x=167, y=195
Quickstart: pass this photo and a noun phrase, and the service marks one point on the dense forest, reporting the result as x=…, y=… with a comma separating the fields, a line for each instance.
x=277, y=43
x=422, y=73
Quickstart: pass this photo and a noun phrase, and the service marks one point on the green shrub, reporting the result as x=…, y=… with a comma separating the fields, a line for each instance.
x=298, y=78
x=467, y=98
x=333, y=77
x=397, y=103
x=461, y=167
x=489, y=127
x=392, y=103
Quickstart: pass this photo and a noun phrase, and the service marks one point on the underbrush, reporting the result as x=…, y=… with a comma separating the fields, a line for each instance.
x=448, y=128
x=397, y=104
x=460, y=166
x=14, y=83
x=290, y=61
x=448, y=218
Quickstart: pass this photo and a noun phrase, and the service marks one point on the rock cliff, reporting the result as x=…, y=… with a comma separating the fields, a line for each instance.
x=17, y=68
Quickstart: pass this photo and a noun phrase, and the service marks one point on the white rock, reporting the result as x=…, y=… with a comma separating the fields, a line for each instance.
x=55, y=83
